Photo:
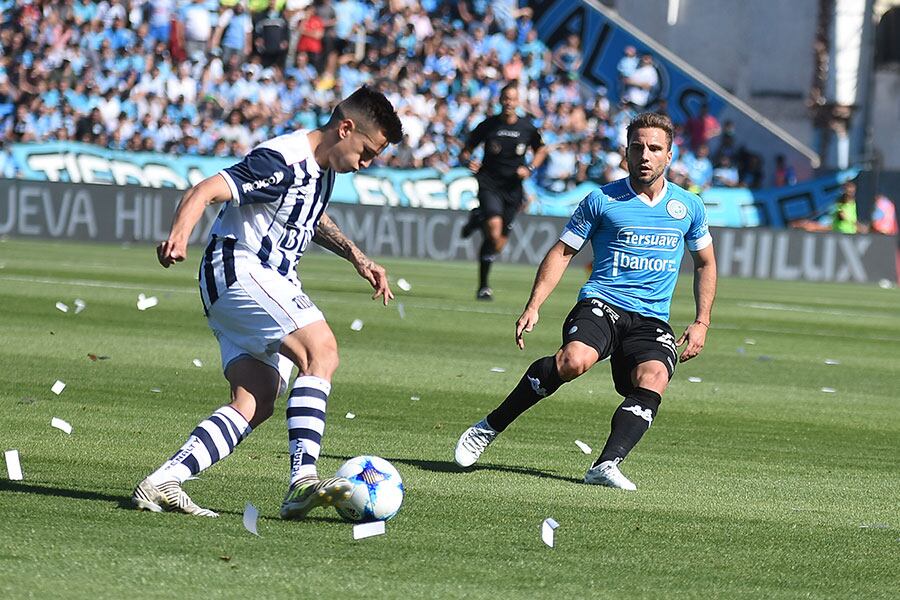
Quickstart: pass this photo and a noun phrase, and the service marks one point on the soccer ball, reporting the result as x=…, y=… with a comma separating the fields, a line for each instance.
x=377, y=489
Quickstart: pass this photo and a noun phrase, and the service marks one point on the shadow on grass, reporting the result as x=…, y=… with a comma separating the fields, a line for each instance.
x=446, y=466
x=122, y=502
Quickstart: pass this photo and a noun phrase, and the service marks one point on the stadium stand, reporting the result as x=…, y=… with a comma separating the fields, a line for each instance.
x=215, y=77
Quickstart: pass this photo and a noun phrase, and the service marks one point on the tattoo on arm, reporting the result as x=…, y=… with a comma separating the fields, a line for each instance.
x=330, y=237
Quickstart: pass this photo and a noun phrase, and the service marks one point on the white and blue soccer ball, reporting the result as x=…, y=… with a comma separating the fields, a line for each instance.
x=377, y=489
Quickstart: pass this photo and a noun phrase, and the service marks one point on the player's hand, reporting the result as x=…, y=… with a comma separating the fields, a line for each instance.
x=523, y=172
x=695, y=337
x=525, y=324
x=376, y=275
x=169, y=252
x=474, y=166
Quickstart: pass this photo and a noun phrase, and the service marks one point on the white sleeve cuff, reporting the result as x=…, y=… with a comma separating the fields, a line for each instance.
x=235, y=199
x=571, y=239
x=700, y=243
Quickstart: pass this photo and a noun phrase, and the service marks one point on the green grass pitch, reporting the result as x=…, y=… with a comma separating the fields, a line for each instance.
x=752, y=483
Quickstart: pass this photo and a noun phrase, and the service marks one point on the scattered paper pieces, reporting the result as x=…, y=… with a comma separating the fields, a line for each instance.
x=356, y=325
x=197, y=362
x=584, y=447
x=58, y=387
x=156, y=390
x=350, y=415
x=145, y=302
x=832, y=361
x=498, y=370
x=250, y=517
x=828, y=390
x=694, y=379
x=401, y=310
x=80, y=305
x=13, y=467
x=750, y=342
x=414, y=398
x=364, y=530
x=403, y=285
x=61, y=306
x=61, y=425
x=548, y=528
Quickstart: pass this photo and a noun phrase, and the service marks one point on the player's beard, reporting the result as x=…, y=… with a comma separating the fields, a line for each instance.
x=634, y=172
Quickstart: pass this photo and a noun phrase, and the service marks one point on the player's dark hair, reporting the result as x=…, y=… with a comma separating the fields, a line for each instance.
x=651, y=120
x=369, y=108
x=512, y=85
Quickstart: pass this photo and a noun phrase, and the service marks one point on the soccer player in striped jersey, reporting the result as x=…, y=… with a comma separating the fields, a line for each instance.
x=638, y=228
x=274, y=204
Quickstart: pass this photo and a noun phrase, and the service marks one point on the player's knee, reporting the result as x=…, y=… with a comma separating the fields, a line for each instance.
x=653, y=377
x=324, y=360
x=571, y=364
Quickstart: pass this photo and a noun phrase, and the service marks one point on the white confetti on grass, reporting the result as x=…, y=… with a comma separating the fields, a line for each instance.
x=548, y=531
x=832, y=361
x=197, y=362
x=583, y=447
x=13, y=466
x=63, y=426
x=80, y=305
x=62, y=306
x=404, y=285
x=750, y=342
x=350, y=415
x=364, y=530
x=401, y=310
x=145, y=302
x=415, y=398
x=251, y=515
x=156, y=390
x=498, y=370
x=828, y=390
x=695, y=379
x=356, y=325
x=58, y=387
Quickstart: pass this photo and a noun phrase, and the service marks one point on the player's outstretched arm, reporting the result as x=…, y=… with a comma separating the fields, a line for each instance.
x=330, y=237
x=548, y=275
x=211, y=190
x=704, y=294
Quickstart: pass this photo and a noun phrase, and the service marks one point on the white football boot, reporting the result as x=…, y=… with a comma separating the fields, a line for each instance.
x=307, y=494
x=473, y=441
x=166, y=496
x=607, y=473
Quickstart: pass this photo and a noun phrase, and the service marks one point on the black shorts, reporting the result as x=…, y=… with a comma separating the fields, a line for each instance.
x=500, y=202
x=628, y=338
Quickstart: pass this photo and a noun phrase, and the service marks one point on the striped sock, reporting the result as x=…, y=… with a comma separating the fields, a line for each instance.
x=306, y=424
x=211, y=441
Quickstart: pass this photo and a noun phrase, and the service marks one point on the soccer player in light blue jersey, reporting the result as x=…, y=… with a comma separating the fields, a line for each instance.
x=638, y=228
x=274, y=205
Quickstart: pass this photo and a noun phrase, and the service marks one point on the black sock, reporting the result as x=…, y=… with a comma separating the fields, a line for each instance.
x=486, y=257
x=540, y=380
x=631, y=419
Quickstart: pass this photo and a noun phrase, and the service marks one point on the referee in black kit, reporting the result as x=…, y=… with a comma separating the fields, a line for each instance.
x=506, y=138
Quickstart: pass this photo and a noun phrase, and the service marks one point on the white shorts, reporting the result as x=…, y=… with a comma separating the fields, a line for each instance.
x=252, y=317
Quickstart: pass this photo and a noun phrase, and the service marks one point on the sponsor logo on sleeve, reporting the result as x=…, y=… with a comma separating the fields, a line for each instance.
x=274, y=179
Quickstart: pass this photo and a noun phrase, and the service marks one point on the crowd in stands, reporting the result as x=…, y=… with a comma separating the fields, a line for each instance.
x=216, y=77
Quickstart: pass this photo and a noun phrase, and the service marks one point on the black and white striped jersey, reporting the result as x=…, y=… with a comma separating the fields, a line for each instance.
x=278, y=195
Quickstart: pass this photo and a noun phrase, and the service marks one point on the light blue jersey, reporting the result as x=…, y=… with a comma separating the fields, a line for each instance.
x=637, y=244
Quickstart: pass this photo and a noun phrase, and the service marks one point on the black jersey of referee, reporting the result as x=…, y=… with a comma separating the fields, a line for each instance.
x=504, y=148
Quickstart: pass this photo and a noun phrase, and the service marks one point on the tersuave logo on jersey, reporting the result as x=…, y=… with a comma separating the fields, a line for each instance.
x=259, y=184
x=655, y=238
